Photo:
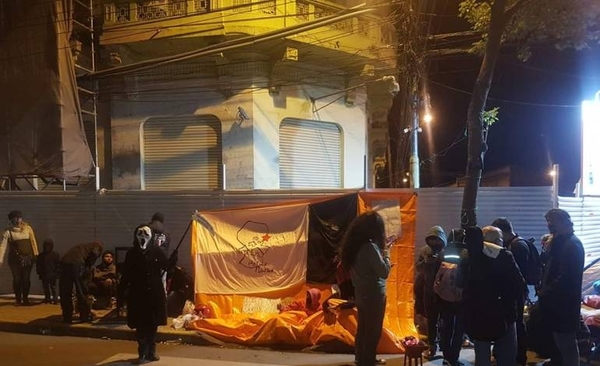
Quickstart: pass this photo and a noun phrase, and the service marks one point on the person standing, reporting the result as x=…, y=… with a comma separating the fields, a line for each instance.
x=365, y=253
x=75, y=267
x=22, y=251
x=48, y=268
x=162, y=240
x=491, y=283
x=146, y=300
x=428, y=263
x=520, y=251
x=450, y=299
x=560, y=292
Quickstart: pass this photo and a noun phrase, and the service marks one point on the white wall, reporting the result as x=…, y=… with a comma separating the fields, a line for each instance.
x=294, y=102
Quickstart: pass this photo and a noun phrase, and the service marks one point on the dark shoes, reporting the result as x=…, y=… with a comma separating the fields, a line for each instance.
x=448, y=363
x=378, y=361
x=430, y=354
x=145, y=359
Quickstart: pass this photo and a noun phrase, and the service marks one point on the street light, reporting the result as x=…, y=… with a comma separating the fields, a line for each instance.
x=427, y=117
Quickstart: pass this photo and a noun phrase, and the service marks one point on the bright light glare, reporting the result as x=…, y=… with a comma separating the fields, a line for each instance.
x=552, y=173
x=427, y=118
x=404, y=180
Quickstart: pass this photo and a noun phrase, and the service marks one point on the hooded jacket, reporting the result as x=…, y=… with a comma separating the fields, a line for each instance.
x=48, y=263
x=429, y=260
x=142, y=282
x=492, y=283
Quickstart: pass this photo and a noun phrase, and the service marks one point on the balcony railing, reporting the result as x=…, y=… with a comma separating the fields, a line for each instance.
x=305, y=10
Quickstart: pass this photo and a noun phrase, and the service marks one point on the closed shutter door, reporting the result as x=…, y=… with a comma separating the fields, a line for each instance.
x=182, y=152
x=310, y=154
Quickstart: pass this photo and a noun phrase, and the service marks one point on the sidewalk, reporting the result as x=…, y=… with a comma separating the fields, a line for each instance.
x=45, y=319
x=40, y=318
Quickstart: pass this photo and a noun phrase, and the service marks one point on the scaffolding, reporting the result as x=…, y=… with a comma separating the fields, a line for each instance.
x=83, y=45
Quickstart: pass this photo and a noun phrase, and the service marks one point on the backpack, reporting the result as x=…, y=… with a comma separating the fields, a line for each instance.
x=444, y=284
x=533, y=271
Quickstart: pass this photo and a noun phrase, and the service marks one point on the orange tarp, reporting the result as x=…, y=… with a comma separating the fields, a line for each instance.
x=230, y=324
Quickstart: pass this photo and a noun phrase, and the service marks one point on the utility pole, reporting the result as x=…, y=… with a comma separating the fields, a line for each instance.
x=414, y=157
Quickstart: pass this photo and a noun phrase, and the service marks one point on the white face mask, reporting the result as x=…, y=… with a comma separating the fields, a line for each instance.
x=144, y=237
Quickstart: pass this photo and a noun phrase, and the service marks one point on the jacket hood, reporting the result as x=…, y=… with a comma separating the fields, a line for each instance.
x=438, y=232
x=491, y=250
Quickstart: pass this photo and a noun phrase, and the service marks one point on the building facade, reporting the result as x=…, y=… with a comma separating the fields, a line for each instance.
x=240, y=94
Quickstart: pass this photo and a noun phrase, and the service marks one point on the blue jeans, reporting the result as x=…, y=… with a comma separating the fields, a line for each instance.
x=371, y=311
x=505, y=349
x=568, y=349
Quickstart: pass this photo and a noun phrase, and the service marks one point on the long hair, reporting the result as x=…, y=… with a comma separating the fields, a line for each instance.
x=365, y=227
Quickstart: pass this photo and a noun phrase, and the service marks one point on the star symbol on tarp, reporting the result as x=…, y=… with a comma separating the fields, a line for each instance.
x=254, y=239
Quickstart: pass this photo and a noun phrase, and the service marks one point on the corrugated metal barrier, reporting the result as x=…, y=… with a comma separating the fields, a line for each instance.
x=70, y=218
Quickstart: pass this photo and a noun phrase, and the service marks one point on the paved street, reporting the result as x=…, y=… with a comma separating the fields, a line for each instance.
x=50, y=343
x=40, y=350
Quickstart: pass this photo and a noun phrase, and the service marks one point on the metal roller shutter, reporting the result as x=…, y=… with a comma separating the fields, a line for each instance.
x=182, y=152
x=310, y=154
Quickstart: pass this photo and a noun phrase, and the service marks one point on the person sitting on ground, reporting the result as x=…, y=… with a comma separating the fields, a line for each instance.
x=310, y=305
x=48, y=268
x=103, y=285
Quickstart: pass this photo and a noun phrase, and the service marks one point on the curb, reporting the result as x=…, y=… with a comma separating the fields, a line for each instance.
x=92, y=330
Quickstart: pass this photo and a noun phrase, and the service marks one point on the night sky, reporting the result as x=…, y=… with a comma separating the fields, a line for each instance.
x=540, y=115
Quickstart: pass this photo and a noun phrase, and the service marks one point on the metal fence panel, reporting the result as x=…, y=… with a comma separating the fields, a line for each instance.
x=70, y=218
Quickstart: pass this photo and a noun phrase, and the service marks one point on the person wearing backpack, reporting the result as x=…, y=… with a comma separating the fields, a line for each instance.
x=492, y=284
x=449, y=297
x=522, y=254
x=427, y=266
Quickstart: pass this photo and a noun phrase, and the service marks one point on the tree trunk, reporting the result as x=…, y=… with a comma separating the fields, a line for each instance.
x=476, y=144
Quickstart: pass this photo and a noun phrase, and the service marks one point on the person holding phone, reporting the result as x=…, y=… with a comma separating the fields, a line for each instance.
x=365, y=254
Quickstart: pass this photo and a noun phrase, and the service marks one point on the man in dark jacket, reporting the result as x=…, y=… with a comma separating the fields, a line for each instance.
x=75, y=268
x=492, y=283
x=560, y=292
x=427, y=266
x=146, y=300
x=520, y=251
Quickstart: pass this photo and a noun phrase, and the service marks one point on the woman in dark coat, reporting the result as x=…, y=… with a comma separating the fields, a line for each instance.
x=146, y=301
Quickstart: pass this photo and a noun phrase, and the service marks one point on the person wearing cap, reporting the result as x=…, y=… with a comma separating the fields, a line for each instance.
x=560, y=291
x=22, y=251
